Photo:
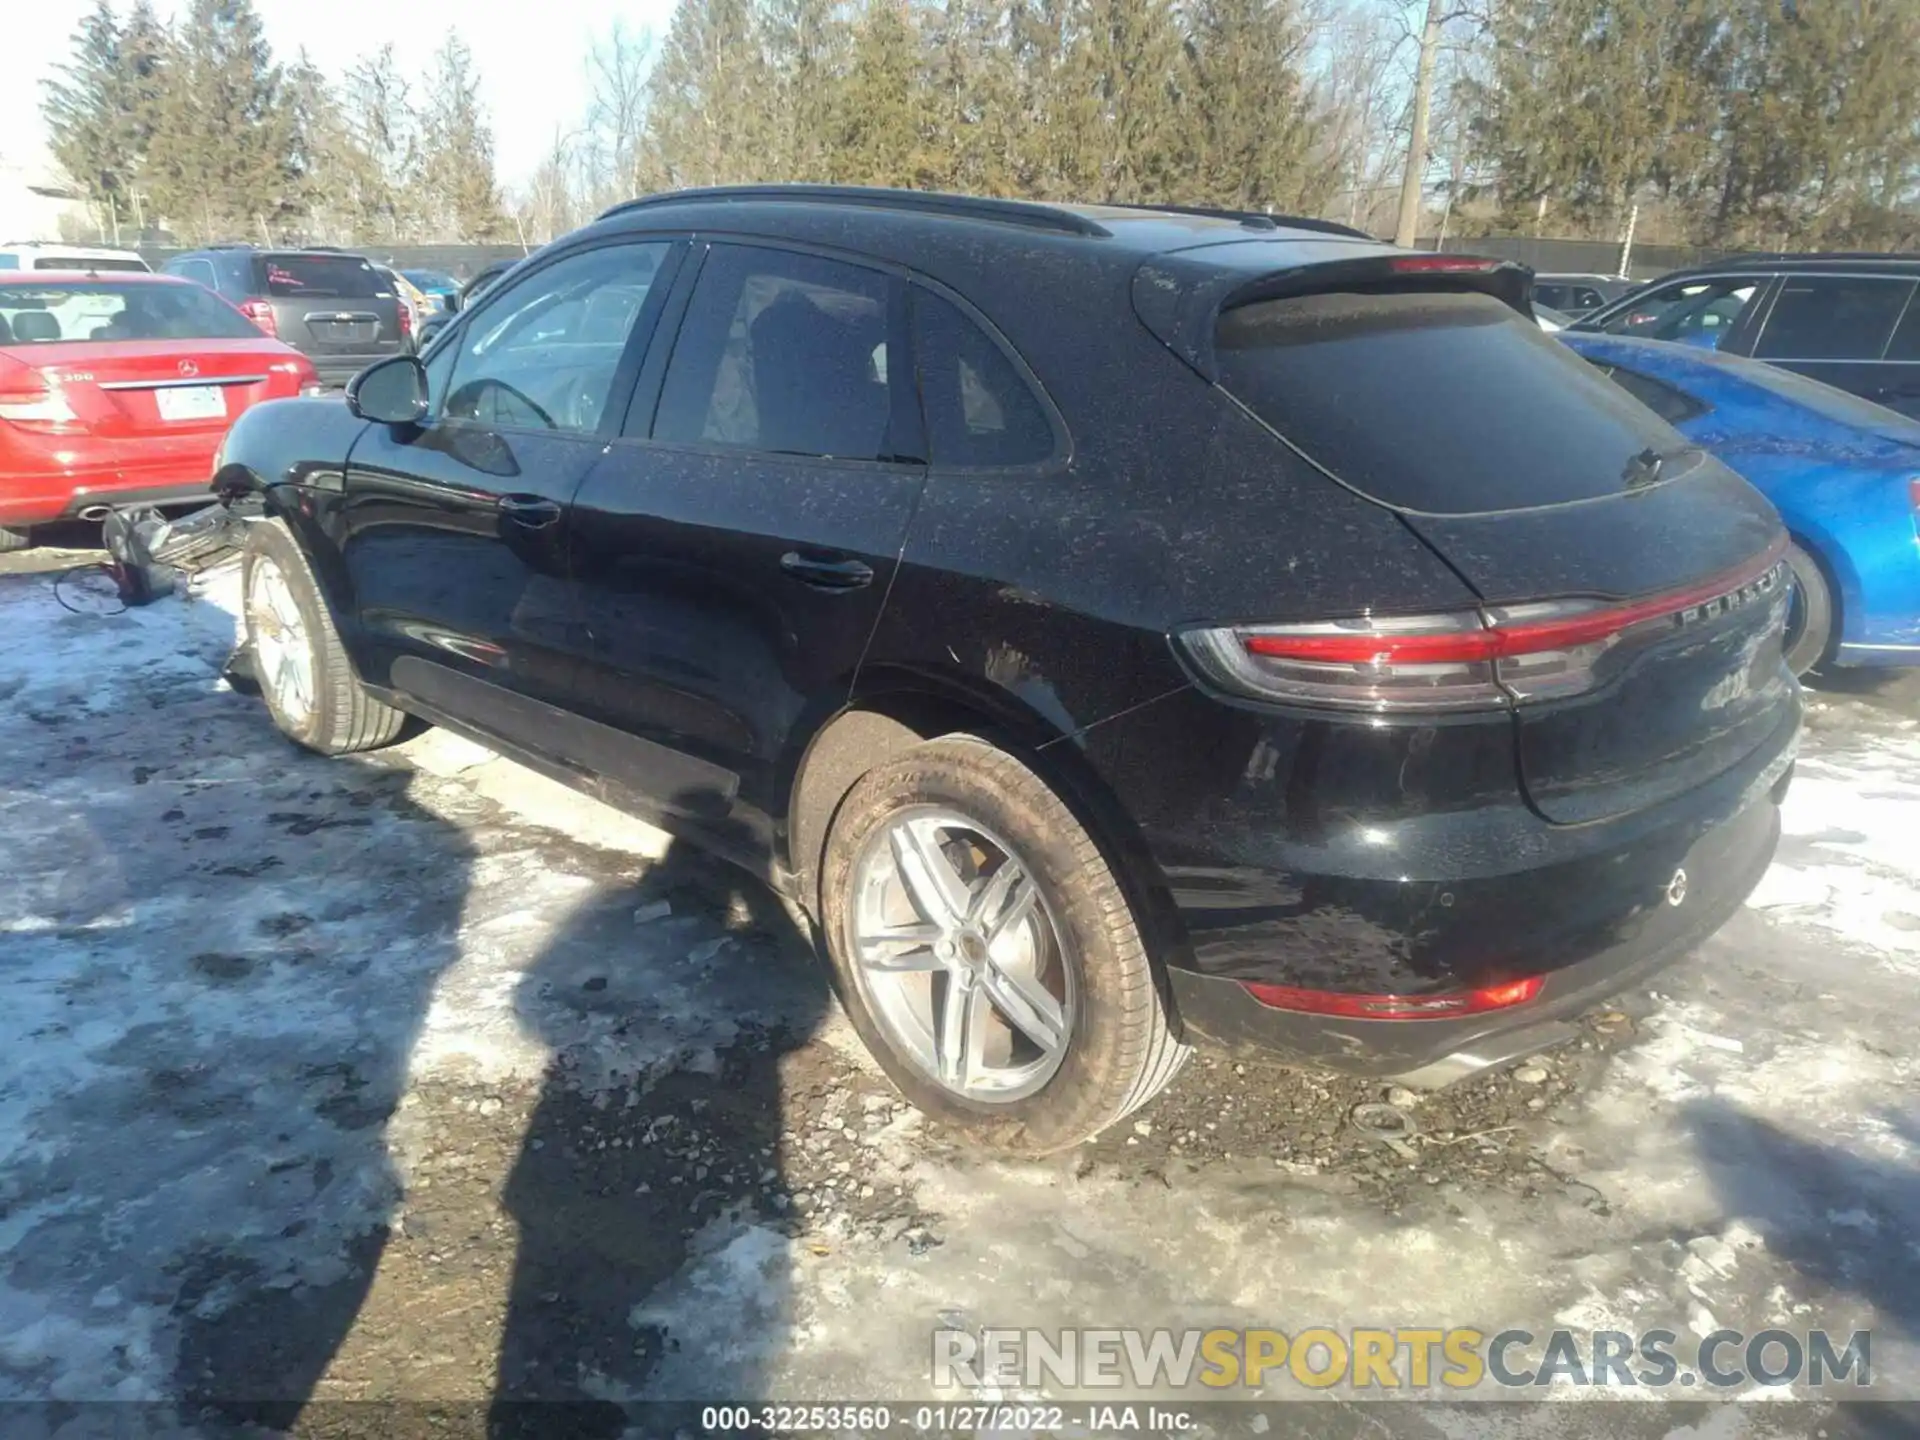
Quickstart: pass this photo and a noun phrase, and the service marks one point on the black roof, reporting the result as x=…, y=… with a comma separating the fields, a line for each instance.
x=1834, y=260
x=1091, y=221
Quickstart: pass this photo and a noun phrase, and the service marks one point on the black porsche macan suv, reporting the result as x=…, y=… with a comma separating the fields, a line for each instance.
x=1117, y=628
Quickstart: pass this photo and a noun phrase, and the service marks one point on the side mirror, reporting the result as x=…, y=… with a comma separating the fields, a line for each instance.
x=393, y=391
x=452, y=302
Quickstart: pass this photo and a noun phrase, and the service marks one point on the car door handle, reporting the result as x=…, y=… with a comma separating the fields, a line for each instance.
x=826, y=572
x=534, y=512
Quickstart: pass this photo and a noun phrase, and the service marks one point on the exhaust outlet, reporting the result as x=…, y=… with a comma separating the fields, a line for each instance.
x=95, y=512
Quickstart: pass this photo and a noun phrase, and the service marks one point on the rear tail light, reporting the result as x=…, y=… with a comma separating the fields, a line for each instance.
x=1458, y=660
x=1444, y=265
x=261, y=314
x=1397, y=1007
x=27, y=400
x=406, y=321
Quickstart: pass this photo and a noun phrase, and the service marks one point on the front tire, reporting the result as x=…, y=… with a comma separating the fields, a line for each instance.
x=1810, y=622
x=309, y=686
x=986, y=953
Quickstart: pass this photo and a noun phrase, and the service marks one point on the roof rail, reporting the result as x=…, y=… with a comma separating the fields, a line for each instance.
x=1253, y=219
x=1774, y=257
x=231, y=245
x=925, y=202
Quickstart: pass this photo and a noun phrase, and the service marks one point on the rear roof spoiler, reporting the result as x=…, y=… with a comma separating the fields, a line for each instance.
x=1181, y=295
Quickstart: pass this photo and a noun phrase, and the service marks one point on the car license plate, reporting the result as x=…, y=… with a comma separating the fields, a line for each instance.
x=191, y=402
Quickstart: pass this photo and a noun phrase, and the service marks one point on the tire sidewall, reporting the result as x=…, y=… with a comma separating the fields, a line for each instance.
x=271, y=543
x=1087, y=1090
x=1816, y=603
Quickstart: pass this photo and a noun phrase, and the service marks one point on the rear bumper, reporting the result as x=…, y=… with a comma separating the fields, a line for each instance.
x=1721, y=870
x=336, y=370
x=37, y=499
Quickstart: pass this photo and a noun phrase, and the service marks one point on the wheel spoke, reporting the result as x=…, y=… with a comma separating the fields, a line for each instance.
x=1029, y=1006
x=288, y=683
x=1017, y=900
x=929, y=876
x=285, y=611
x=901, y=949
x=960, y=1016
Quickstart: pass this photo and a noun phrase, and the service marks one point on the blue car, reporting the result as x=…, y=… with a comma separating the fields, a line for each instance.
x=1843, y=472
x=434, y=284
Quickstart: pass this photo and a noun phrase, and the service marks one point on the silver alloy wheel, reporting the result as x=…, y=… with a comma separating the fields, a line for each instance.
x=957, y=956
x=283, y=657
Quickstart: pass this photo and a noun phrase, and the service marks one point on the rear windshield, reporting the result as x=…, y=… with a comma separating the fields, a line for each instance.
x=39, y=314
x=328, y=277
x=75, y=262
x=1449, y=404
x=430, y=279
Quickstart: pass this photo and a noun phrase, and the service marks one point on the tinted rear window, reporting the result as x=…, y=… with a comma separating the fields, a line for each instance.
x=328, y=277
x=75, y=262
x=1451, y=404
x=33, y=314
x=1840, y=317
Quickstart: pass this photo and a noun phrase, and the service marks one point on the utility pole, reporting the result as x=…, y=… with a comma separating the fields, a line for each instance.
x=1408, y=228
x=1626, y=245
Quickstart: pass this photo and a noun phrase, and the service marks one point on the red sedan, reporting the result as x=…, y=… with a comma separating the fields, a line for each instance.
x=117, y=389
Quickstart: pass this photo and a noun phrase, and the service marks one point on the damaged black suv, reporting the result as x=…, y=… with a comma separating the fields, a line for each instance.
x=1118, y=629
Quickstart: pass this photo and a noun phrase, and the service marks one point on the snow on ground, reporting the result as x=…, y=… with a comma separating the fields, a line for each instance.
x=265, y=1012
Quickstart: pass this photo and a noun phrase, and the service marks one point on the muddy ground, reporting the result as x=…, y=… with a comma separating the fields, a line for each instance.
x=415, y=1077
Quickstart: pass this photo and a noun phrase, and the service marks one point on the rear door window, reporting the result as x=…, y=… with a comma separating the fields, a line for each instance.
x=783, y=353
x=318, y=277
x=1905, y=344
x=198, y=271
x=1448, y=404
x=1833, y=317
x=981, y=413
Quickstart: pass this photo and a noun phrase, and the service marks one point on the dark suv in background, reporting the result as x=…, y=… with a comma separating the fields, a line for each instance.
x=1852, y=321
x=1116, y=628
x=332, y=307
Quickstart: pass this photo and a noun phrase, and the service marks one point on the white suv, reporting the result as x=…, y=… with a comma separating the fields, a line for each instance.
x=48, y=255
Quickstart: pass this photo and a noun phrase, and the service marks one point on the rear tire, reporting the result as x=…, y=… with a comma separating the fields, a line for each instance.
x=1077, y=959
x=309, y=686
x=1810, y=623
x=12, y=540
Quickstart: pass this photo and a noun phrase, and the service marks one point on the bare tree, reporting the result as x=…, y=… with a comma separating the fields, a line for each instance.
x=616, y=127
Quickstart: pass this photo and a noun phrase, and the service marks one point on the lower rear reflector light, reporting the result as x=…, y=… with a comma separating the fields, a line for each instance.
x=1396, y=1007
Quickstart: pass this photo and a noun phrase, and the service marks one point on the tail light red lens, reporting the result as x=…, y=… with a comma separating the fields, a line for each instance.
x=261, y=314
x=1459, y=660
x=406, y=321
x=30, y=402
x=1397, y=1007
x=1444, y=265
